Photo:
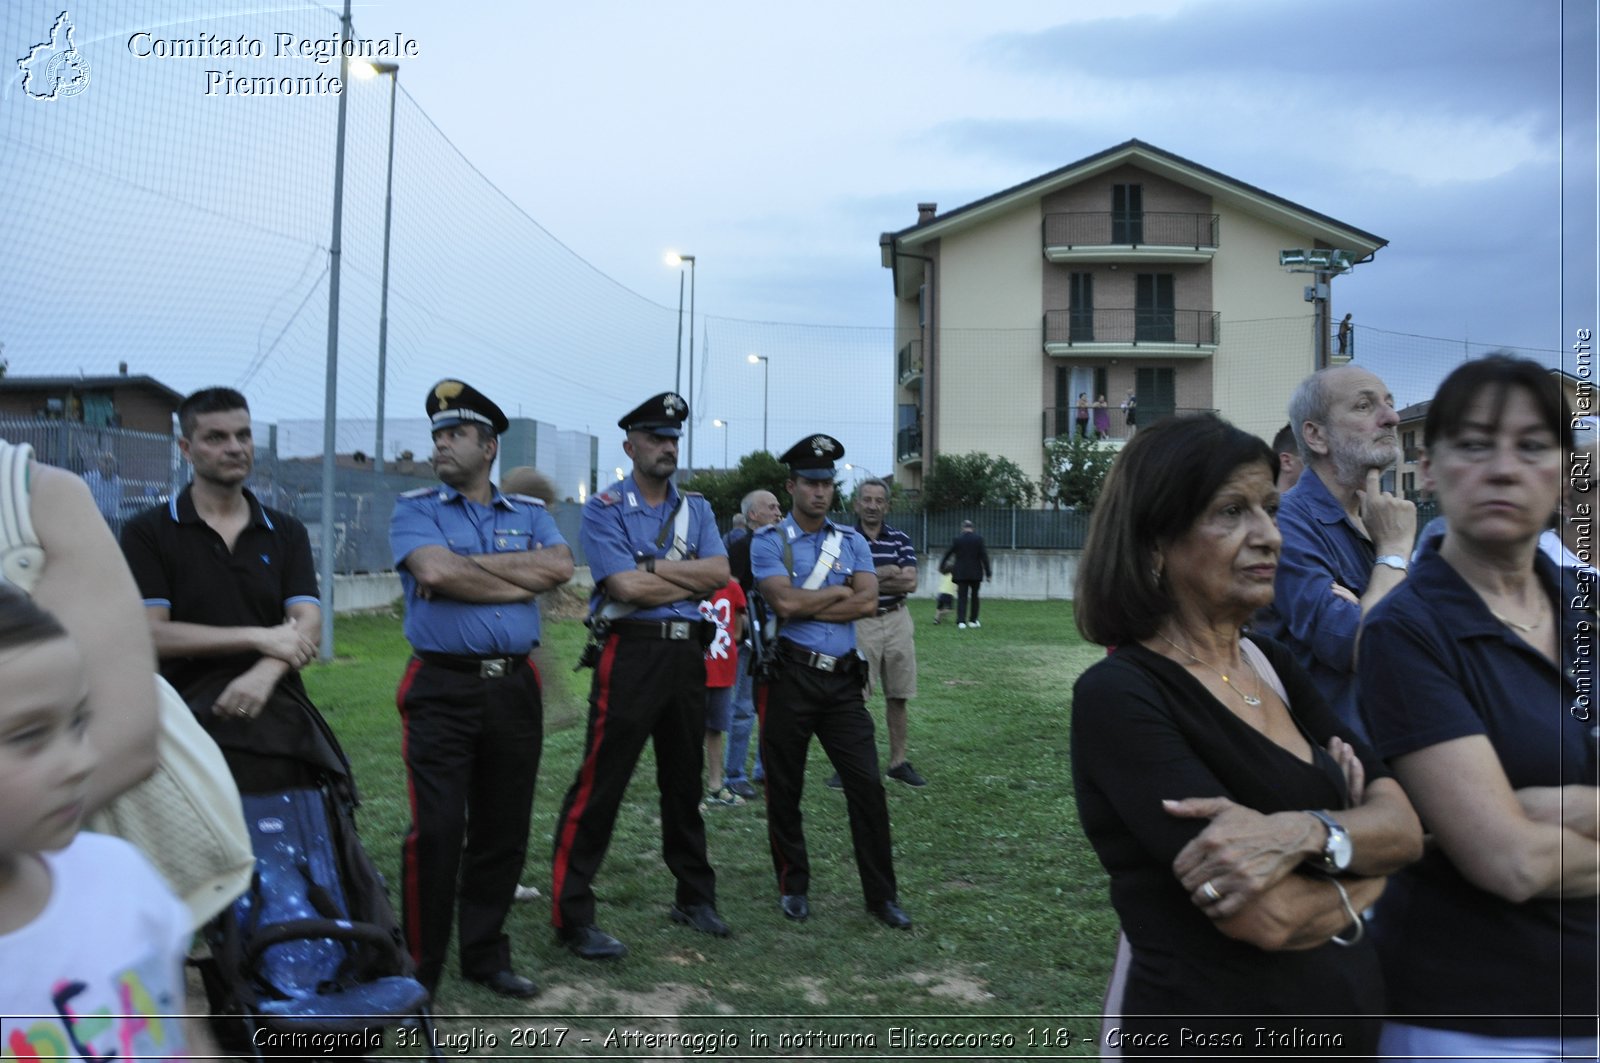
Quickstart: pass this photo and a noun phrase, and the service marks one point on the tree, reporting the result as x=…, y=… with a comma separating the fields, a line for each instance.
x=966, y=480
x=757, y=471
x=1074, y=470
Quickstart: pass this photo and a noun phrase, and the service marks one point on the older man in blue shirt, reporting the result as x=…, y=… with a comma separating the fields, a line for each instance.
x=655, y=553
x=471, y=561
x=819, y=578
x=1346, y=541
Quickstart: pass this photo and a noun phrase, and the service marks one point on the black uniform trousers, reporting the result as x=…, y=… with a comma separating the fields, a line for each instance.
x=471, y=747
x=644, y=689
x=796, y=703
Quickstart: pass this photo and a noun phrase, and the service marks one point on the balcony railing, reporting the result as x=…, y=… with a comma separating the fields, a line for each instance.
x=908, y=362
x=908, y=444
x=1130, y=229
x=1198, y=328
x=1107, y=423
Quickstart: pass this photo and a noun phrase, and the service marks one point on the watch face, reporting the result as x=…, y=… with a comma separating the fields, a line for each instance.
x=1339, y=849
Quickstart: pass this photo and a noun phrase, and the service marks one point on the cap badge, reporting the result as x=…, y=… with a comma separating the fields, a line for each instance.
x=447, y=390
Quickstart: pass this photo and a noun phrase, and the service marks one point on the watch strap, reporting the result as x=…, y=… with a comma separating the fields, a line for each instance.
x=1394, y=561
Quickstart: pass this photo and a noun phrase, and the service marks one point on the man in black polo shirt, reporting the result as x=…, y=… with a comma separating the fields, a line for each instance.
x=231, y=597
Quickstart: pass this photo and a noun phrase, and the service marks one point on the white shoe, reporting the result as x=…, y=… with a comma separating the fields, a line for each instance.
x=974, y=624
x=961, y=627
x=526, y=893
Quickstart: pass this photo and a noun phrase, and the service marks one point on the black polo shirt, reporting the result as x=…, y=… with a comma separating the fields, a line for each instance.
x=180, y=562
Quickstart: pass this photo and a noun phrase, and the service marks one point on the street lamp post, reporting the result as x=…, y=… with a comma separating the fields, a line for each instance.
x=377, y=70
x=765, y=378
x=720, y=423
x=1323, y=263
x=675, y=259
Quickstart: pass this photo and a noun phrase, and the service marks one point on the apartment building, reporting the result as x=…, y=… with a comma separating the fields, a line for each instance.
x=1130, y=272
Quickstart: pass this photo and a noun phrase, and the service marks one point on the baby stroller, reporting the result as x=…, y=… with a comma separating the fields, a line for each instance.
x=310, y=960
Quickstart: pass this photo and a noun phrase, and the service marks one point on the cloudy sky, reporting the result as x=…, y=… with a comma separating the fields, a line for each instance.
x=549, y=154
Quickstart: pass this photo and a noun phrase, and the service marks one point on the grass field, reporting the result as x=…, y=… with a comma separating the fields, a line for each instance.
x=1013, y=930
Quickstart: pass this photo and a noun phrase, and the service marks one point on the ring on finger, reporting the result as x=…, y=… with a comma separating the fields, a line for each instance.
x=1209, y=892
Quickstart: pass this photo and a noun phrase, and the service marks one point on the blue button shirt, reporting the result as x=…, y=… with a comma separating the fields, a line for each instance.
x=766, y=559
x=442, y=516
x=619, y=528
x=1320, y=547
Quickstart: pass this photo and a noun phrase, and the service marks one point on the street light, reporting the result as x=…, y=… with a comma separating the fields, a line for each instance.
x=675, y=259
x=720, y=423
x=753, y=359
x=1323, y=263
x=367, y=71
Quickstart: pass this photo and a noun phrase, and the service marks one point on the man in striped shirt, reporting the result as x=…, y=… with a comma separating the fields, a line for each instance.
x=886, y=639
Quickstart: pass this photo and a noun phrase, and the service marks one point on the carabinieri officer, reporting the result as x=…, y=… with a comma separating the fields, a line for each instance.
x=471, y=561
x=819, y=578
x=655, y=554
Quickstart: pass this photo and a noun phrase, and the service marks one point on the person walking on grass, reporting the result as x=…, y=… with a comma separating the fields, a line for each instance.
x=969, y=559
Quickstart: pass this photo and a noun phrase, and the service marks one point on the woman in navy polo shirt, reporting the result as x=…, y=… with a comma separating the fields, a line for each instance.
x=1477, y=682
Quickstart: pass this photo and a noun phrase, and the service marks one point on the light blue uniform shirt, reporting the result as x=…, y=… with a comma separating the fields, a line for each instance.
x=442, y=516
x=619, y=528
x=766, y=559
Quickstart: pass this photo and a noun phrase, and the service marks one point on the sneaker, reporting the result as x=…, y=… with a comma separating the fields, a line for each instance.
x=962, y=626
x=835, y=783
x=744, y=790
x=723, y=798
x=974, y=624
x=904, y=772
x=938, y=620
x=526, y=893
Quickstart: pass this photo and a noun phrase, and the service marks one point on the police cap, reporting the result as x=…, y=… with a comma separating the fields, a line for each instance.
x=661, y=415
x=813, y=457
x=453, y=402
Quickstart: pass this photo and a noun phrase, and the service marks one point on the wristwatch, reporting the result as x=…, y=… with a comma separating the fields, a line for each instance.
x=1336, y=850
x=1394, y=561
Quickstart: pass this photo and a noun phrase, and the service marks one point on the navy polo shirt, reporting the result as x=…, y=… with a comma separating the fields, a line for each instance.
x=619, y=528
x=1436, y=665
x=180, y=562
x=766, y=560
x=891, y=547
x=443, y=516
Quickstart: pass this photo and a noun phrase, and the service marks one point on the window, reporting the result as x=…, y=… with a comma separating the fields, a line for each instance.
x=1154, y=319
x=1081, y=327
x=1127, y=214
x=1410, y=481
x=1156, y=392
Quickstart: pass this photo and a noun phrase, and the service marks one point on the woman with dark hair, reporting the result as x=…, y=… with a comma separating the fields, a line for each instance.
x=1240, y=927
x=1473, y=680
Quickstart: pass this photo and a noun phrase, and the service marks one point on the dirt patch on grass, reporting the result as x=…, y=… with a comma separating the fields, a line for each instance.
x=952, y=985
x=961, y=682
x=664, y=1000
x=811, y=991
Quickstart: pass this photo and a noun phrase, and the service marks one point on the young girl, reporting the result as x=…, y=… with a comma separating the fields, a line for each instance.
x=91, y=939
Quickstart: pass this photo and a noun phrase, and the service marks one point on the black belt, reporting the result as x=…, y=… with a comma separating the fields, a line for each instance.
x=666, y=630
x=884, y=610
x=820, y=661
x=483, y=667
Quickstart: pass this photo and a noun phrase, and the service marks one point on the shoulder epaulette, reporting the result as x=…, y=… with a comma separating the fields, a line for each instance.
x=419, y=492
x=527, y=498
x=608, y=498
x=765, y=528
x=693, y=494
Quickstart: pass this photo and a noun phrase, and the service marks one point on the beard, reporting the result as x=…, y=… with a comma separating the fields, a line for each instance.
x=1351, y=463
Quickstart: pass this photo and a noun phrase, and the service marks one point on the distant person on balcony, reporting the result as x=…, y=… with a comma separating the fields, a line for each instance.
x=1083, y=414
x=1289, y=464
x=1346, y=541
x=1130, y=411
x=969, y=560
x=1346, y=329
x=1102, y=418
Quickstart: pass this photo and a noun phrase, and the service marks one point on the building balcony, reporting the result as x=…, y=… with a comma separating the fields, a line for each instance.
x=1155, y=333
x=1146, y=236
x=908, y=445
x=908, y=364
x=1061, y=422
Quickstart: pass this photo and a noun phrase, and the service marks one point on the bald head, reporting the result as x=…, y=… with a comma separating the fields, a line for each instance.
x=1344, y=423
x=761, y=508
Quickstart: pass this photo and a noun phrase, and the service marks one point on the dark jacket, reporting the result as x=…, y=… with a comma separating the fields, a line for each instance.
x=971, y=558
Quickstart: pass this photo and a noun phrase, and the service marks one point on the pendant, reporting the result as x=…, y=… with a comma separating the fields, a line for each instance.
x=1249, y=700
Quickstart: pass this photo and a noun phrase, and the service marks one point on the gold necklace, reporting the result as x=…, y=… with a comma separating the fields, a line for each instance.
x=1249, y=699
x=1506, y=620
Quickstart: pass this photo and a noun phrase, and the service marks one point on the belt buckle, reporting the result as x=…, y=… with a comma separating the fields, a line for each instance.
x=678, y=630
x=824, y=662
x=495, y=669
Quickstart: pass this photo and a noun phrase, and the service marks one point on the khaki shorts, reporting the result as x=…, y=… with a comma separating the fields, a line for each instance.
x=886, y=642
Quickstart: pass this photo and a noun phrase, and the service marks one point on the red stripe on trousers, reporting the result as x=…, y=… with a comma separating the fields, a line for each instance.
x=408, y=848
x=569, y=828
